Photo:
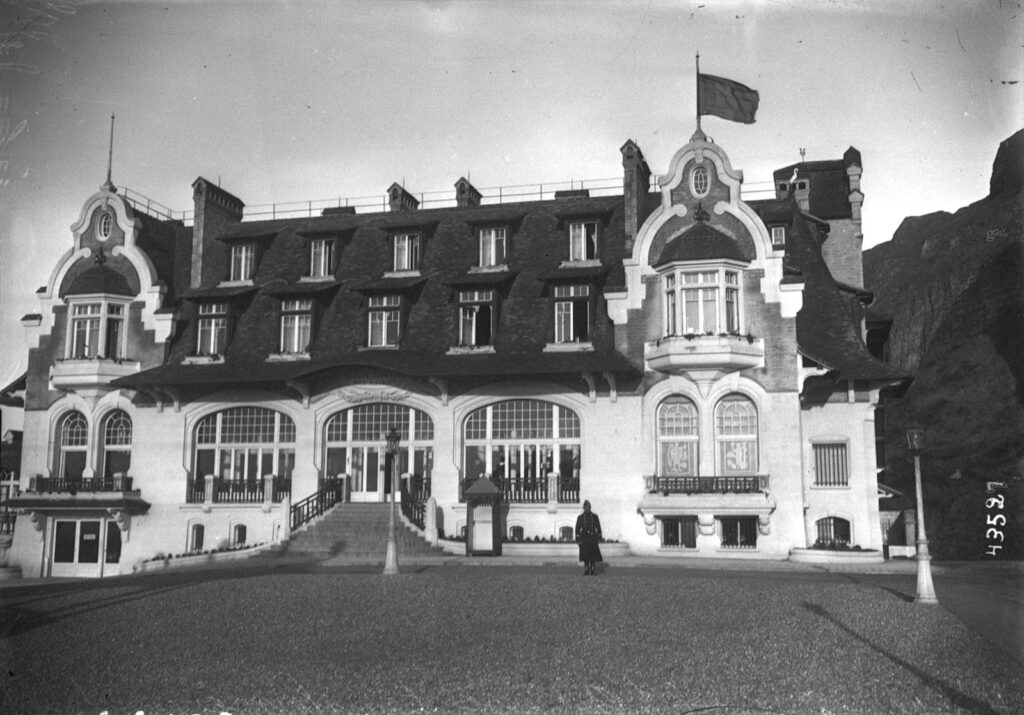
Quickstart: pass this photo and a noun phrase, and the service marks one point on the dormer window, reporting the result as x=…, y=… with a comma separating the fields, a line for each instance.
x=572, y=313
x=493, y=247
x=407, y=252
x=212, y=334
x=296, y=326
x=778, y=236
x=243, y=261
x=106, y=226
x=702, y=302
x=384, y=321
x=321, y=258
x=476, y=318
x=583, y=241
x=699, y=181
x=96, y=330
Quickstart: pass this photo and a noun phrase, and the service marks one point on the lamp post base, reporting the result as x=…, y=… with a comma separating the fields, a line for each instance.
x=925, y=588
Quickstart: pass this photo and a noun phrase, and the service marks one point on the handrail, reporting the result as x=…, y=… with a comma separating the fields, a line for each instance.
x=414, y=510
x=708, y=485
x=314, y=505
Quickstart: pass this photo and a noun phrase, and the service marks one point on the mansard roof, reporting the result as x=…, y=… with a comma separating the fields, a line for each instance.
x=701, y=242
x=538, y=253
x=829, y=184
x=100, y=280
x=826, y=331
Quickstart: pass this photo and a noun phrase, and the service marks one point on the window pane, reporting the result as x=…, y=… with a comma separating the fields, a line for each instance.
x=113, y=550
x=64, y=538
x=679, y=459
x=89, y=542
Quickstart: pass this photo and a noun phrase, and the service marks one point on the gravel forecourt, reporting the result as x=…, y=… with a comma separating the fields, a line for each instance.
x=300, y=638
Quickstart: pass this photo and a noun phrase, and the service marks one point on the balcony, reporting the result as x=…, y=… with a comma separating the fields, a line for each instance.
x=85, y=373
x=686, y=353
x=696, y=495
x=217, y=490
x=62, y=494
x=541, y=490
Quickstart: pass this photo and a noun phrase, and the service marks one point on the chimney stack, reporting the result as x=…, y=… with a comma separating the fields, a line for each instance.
x=401, y=200
x=636, y=184
x=215, y=209
x=466, y=195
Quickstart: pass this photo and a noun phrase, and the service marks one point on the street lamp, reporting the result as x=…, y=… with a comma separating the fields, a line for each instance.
x=925, y=589
x=391, y=557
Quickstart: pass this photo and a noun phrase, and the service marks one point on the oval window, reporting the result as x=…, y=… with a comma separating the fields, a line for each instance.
x=699, y=180
x=106, y=223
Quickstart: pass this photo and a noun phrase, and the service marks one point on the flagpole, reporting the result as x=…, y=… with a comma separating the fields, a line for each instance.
x=698, y=91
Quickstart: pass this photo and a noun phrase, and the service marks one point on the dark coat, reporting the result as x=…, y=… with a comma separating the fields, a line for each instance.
x=588, y=536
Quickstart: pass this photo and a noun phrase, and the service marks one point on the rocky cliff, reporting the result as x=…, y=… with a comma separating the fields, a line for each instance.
x=953, y=284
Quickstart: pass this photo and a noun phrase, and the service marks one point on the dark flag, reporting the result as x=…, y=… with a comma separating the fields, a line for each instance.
x=726, y=99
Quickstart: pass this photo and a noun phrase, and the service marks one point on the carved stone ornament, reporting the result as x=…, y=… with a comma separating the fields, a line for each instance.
x=375, y=393
x=706, y=524
x=651, y=523
x=764, y=525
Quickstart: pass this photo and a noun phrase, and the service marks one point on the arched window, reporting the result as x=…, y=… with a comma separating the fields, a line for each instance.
x=354, y=446
x=73, y=443
x=833, y=531
x=518, y=442
x=245, y=443
x=117, y=444
x=677, y=437
x=736, y=436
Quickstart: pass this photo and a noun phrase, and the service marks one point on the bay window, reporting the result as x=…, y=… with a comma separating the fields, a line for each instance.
x=702, y=302
x=96, y=330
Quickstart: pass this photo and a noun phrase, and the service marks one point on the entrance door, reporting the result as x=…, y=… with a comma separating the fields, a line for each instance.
x=78, y=547
x=368, y=474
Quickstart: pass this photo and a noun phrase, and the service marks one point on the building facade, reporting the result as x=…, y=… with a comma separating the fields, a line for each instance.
x=684, y=359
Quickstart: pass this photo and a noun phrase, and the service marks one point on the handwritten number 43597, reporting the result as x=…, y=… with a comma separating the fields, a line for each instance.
x=994, y=520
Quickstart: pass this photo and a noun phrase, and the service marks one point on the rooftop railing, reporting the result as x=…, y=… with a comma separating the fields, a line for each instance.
x=490, y=196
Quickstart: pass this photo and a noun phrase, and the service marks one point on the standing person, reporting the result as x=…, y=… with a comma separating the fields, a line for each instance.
x=588, y=534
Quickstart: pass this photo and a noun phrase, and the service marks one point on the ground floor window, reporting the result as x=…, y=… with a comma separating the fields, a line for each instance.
x=81, y=547
x=196, y=538
x=679, y=531
x=238, y=535
x=738, y=532
x=832, y=531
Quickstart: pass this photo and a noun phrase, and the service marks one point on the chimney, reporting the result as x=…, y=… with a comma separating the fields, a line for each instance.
x=401, y=200
x=466, y=195
x=636, y=184
x=215, y=209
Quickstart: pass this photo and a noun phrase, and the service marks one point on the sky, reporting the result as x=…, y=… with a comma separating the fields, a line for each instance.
x=288, y=101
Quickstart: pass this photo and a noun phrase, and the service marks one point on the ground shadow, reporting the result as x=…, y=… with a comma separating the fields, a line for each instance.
x=958, y=698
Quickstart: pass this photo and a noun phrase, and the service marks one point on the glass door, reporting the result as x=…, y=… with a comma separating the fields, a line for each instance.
x=367, y=472
x=80, y=547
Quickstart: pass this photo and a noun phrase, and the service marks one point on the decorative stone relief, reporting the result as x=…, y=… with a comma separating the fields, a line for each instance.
x=706, y=524
x=651, y=523
x=764, y=524
x=376, y=393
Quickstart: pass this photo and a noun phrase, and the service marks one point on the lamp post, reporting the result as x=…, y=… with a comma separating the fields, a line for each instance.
x=925, y=589
x=391, y=557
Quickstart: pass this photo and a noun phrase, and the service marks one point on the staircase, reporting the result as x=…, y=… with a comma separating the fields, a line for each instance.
x=359, y=531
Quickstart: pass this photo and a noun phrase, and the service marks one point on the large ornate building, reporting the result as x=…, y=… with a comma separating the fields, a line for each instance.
x=690, y=362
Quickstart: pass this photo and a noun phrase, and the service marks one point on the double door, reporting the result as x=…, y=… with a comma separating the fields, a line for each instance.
x=85, y=547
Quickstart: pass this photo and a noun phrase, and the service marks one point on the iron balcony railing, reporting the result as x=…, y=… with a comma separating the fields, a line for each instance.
x=237, y=491
x=707, y=485
x=70, y=485
x=524, y=490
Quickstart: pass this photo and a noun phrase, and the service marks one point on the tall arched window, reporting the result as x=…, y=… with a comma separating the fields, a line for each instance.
x=354, y=446
x=518, y=442
x=117, y=444
x=245, y=443
x=736, y=436
x=677, y=437
x=74, y=441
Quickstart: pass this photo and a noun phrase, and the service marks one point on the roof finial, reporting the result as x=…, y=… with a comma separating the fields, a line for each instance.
x=108, y=185
x=802, y=152
x=699, y=214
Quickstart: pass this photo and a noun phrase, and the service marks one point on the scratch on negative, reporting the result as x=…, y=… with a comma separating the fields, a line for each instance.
x=916, y=82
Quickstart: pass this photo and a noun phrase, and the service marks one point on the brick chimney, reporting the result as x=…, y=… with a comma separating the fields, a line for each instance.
x=215, y=209
x=636, y=184
x=401, y=200
x=466, y=195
